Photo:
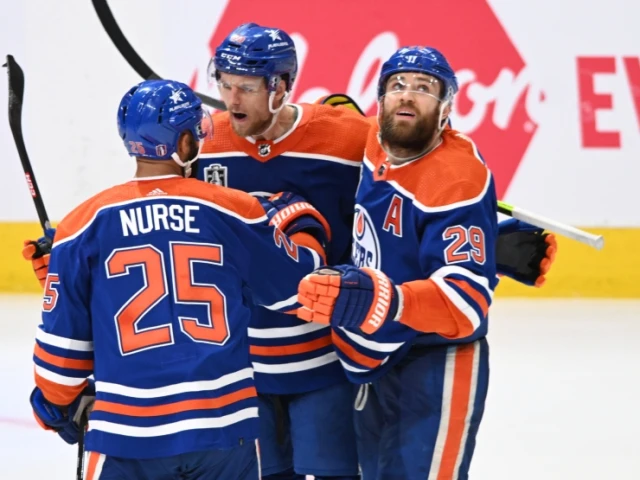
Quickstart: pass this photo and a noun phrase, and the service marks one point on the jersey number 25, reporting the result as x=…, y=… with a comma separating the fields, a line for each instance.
x=215, y=330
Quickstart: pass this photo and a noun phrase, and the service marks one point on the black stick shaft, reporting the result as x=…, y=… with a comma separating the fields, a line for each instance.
x=16, y=97
x=131, y=56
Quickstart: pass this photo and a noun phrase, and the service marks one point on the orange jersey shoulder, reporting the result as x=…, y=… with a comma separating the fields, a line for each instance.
x=337, y=132
x=222, y=139
x=223, y=199
x=451, y=174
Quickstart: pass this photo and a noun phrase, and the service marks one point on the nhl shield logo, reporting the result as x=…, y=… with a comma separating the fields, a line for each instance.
x=264, y=149
x=216, y=174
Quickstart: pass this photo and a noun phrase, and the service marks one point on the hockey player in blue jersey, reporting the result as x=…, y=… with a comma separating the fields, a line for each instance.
x=264, y=144
x=410, y=318
x=148, y=290
x=315, y=151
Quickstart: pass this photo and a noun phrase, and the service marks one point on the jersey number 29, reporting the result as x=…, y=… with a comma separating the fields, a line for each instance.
x=457, y=250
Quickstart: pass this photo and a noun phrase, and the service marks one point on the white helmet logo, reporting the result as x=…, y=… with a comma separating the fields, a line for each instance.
x=274, y=34
x=176, y=96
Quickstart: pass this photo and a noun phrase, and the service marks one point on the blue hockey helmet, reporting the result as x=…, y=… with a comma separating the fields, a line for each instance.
x=253, y=50
x=154, y=113
x=420, y=59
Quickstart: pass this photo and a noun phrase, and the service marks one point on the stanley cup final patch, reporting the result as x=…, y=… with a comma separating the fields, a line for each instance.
x=216, y=174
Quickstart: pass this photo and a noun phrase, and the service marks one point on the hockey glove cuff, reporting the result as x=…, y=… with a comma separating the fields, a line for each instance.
x=350, y=297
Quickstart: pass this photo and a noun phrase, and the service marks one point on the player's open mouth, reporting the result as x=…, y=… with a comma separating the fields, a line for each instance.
x=239, y=116
x=405, y=113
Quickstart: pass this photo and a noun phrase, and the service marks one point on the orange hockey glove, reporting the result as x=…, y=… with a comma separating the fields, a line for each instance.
x=38, y=251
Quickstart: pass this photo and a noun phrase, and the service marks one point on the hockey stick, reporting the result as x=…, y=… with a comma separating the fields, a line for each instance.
x=595, y=241
x=110, y=25
x=16, y=96
x=82, y=426
x=124, y=47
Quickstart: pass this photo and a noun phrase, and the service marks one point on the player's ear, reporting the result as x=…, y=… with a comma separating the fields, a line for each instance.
x=446, y=111
x=184, y=145
x=280, y=91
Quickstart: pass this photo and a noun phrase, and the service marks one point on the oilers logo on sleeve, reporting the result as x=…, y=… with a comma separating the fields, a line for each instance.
x=366, y=246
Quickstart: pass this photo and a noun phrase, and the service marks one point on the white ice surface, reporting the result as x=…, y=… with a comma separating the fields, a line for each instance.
x=563, y=396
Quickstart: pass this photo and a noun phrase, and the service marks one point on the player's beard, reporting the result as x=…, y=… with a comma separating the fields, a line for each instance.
x=411, y=136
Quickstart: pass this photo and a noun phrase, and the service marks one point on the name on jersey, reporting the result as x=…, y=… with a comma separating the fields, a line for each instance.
x=158, y=217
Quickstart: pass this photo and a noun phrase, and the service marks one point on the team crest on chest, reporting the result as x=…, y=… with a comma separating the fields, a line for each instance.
x=264, y=149
x=216, y=174
x=366, y=247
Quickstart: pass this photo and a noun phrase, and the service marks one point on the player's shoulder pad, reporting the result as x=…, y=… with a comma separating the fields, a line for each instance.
x=336, y=131
x=344, y=100
x=220, y=141
x=227, y=200
x=223, y=200
x=453, y=175
x=456, y=175
x=81, y=216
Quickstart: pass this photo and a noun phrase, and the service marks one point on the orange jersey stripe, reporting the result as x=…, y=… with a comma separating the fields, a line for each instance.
x=57, y=394
x=304, y=239
x=472, y=292
x=235, y=201
x=427, y=309
x=462, y=380
x=353, y=354
x=94, y=458
x=304, y=347
x=61, y=361
x=176, y=407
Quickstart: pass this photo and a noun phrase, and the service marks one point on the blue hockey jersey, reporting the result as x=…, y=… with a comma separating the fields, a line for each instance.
x=148, y=289
x=430, y=225
x=319, y=159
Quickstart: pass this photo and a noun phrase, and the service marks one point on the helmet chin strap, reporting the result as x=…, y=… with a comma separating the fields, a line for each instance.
x=274, y=111
x=187, y=165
